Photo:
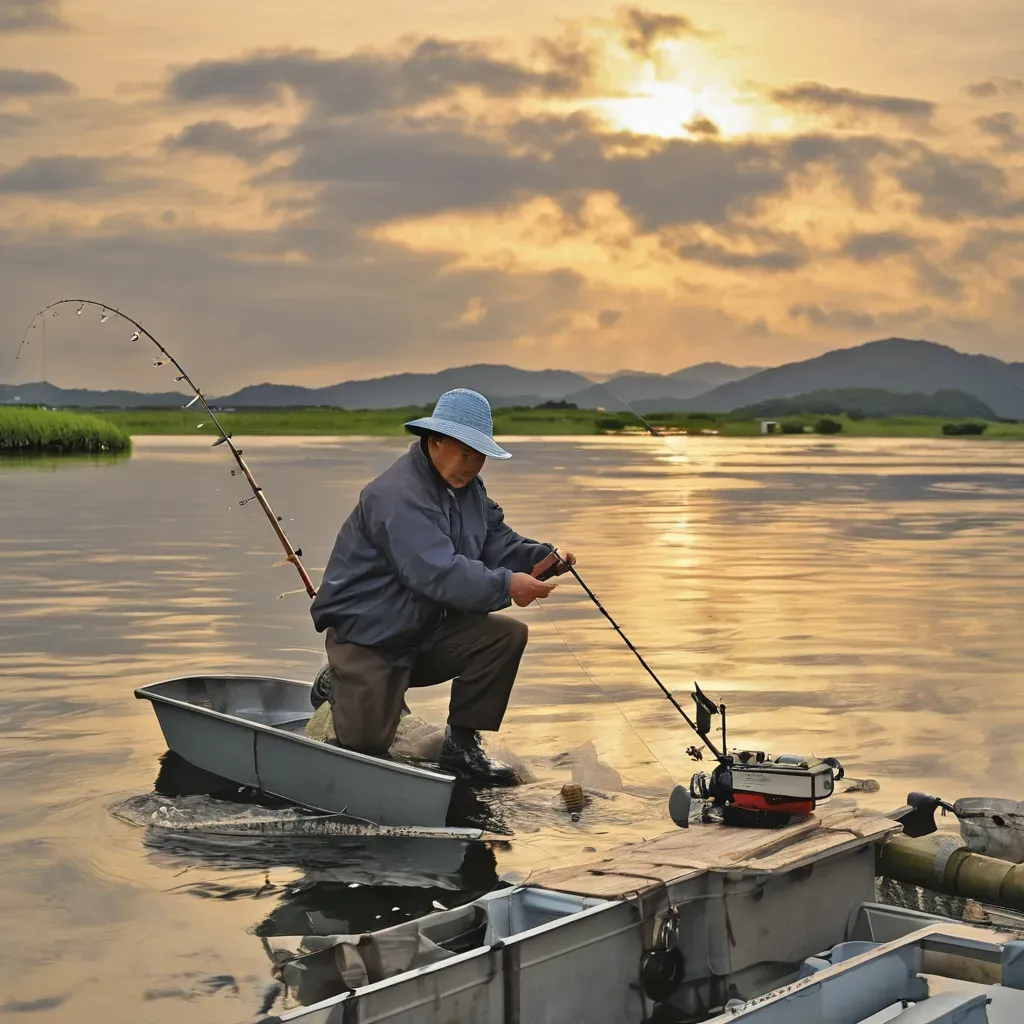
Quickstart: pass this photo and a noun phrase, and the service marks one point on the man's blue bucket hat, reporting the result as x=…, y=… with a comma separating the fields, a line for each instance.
x=466, y=416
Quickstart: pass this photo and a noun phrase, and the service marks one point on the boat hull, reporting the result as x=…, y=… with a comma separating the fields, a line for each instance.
x=249, y=729
x=542, y=958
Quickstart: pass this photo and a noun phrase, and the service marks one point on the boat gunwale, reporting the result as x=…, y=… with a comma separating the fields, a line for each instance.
x=145, y=693
x=941, y=936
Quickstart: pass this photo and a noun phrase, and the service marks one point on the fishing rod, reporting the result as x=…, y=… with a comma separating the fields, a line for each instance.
x=639, y=657
x=702, y=701
x=292, y=554
x=751, y=788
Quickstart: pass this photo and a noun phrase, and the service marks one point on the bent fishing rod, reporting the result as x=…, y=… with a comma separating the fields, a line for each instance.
x=291, y=554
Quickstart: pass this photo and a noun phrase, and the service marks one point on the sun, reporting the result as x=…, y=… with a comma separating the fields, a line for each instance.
x=677, y=93
x=675, y=110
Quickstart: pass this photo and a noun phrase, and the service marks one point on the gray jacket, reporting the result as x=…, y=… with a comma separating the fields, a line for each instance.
x=412, y=550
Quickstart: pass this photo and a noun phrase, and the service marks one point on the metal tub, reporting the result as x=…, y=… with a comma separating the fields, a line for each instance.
x=542, y=957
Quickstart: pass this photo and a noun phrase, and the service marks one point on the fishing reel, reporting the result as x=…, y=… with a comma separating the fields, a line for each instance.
x=753, y=789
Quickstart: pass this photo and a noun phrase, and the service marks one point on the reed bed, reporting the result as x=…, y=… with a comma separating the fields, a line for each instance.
x=25, y=431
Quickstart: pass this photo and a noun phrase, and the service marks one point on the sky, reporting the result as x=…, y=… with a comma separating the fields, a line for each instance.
x=312, y=191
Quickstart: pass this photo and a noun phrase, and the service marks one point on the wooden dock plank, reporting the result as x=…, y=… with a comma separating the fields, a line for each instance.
x=684, y=853
x=608, y=882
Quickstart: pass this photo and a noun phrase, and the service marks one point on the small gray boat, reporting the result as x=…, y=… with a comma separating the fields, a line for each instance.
x=250, y=729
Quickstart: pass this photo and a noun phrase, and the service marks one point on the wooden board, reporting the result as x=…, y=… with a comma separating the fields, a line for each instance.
x=685, y=853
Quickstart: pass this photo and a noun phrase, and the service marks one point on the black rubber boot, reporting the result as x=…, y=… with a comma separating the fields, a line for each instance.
x=468, y=759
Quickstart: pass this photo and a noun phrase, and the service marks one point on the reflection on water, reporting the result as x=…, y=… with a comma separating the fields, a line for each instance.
x=853, y=598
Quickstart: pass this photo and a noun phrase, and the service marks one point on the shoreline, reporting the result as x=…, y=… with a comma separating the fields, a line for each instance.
x=330, y=422
x=38, y=431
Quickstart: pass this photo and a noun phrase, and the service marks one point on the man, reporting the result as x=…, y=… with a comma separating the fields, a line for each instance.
x=410, y=592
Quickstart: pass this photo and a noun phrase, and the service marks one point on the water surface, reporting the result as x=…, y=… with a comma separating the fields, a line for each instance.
x=854, y=598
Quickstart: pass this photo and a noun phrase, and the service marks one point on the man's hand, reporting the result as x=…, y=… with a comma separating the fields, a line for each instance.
x=555, y=564
x=524, y=589
x=565, y=559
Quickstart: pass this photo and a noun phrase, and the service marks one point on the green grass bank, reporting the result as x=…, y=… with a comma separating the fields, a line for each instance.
x=568, y=422
x=27, y=431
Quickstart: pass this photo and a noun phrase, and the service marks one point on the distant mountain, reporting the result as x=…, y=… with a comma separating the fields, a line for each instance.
x=501, y=384
x=870, y=403
x=603, y=378
x=894, y=364
x=645, y=387
x=272, y=395
x=41, y=393
x=620, y=390
x=715, y=374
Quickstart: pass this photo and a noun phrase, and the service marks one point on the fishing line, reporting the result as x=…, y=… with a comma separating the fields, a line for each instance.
x=618, y=629
x=291, y=554
x=656, y=433
x=605, y=693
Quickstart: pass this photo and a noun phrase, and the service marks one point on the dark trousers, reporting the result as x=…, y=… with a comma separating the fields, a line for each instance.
x=479, y=653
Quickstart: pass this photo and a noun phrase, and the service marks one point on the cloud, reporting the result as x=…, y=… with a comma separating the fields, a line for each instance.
x=249, y=144
x=702, y=126
x=853, y=159
x=607, y=318
x=65, y=176
x=982, y=244
x=546, y=134
x=370, y=80
x=824, y=98
x=381, y=162
x=952, y=187
x=935, y=281
x=17, y=83
x=473, y=313
x=718, y=256
x=870, y=246
x=644, y=29
x=571, y=55
x=373, y=170
x=31, y=16
x=384, y=168
x=843, y=319
x=1003, y=127
x=996, y=87
x=859, y=320
x=240, y=288
x=11, y=124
